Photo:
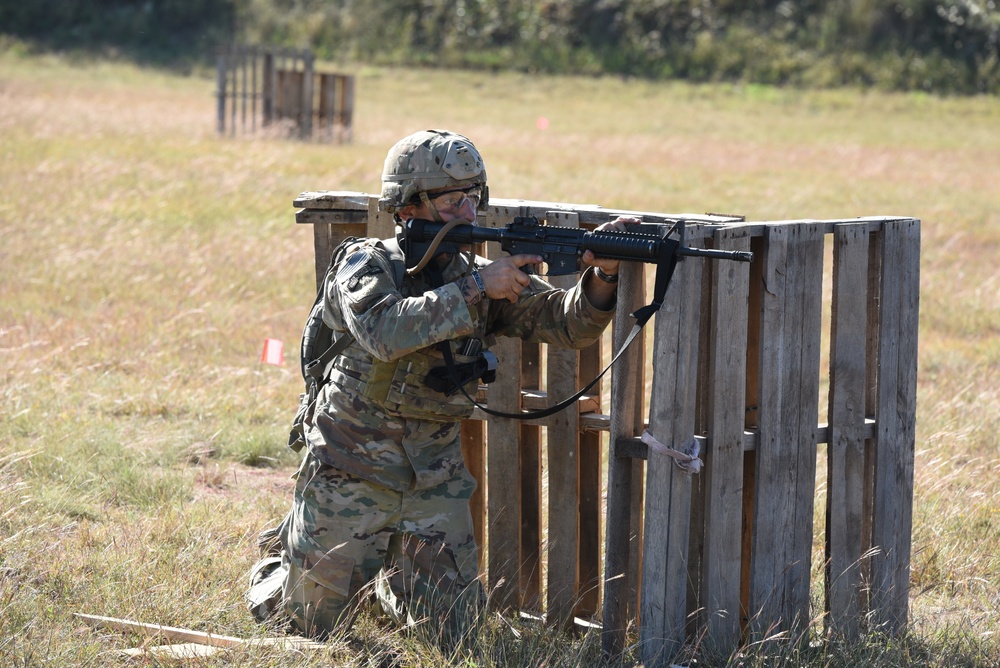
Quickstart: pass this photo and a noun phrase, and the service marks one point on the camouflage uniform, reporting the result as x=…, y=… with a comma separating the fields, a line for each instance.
x=381, y=498
x=383, y=487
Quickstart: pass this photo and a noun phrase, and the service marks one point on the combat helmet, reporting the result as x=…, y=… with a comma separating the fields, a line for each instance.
x=430, y=160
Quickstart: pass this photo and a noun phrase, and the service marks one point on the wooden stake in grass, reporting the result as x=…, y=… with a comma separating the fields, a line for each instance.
x=173, y=634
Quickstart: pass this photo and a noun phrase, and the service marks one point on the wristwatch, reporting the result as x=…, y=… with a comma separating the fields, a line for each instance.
x=479, y=282
x=607, y=278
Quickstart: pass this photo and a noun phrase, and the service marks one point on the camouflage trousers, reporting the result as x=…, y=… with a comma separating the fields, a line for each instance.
x=347, y=538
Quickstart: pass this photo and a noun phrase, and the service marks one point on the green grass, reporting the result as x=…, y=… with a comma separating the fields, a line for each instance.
x=144, y=260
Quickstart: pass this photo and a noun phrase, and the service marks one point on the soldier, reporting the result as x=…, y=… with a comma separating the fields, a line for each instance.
x=381, y=500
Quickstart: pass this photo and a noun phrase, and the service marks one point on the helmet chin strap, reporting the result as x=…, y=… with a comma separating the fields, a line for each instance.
x=430, y=207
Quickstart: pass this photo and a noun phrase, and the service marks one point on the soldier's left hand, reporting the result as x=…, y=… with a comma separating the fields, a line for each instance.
x=608, y=266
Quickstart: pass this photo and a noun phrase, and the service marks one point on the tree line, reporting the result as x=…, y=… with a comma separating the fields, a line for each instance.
x=944, y=46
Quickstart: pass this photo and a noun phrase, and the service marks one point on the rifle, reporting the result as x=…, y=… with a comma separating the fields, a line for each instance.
x=561, y=249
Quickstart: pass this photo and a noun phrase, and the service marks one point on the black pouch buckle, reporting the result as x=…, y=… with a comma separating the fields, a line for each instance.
x=484, y=368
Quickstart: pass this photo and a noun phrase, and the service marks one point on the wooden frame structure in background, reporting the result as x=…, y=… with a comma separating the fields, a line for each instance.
x=258, y=87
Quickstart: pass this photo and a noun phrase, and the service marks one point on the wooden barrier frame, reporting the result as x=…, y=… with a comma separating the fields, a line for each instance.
x=264, y=86
x=724, y=555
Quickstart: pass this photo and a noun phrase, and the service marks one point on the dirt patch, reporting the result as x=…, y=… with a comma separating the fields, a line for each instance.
x=235, y=481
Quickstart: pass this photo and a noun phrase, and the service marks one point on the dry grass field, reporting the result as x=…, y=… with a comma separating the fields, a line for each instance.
x=143, y=260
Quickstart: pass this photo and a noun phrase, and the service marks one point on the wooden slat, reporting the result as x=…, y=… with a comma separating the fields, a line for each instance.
x=788, y=414
x=503, y=472
x=531, y=483
x=871, y=405
x=696, y=532
x=563, y=441
x=622, y=526
x=668, y=489
x=754, y=315
x=589, y=507
x=896, y=415
x=846, y=449
x=724, y=457
x=381, y=225
x=325, y=239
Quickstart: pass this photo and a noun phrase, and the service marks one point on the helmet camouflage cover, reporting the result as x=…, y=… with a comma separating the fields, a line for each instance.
x=430, y=160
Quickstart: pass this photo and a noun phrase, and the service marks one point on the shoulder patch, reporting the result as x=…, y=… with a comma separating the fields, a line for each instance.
x=356, y=268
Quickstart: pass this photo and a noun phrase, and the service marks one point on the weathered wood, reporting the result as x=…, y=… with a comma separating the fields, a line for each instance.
x=754, y=314
x=871, y=405
x=788, y=414
x=287, y=90
x=668, y=489
x=174, y=634
x=347, y=111
x=896, y=415
x=722, y=561
x=503, y=472
x=220, y=92
x=621, y=524
x=760, y=445
x=846, y=449
x=381, y=225
x=531, y=482
x=563, y=446
x=696, y=531
x=305, y=120
x=325, y=239
x=589, y=507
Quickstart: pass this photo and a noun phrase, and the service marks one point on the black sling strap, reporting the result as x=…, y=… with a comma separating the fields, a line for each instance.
x=664, y=272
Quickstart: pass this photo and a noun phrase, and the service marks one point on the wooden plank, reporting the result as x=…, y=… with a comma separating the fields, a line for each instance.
x=896, y=415
x=220, y=91
x=668, y=489
x=769, y=505
x=308, y=79
x=758, y=246
x=325, y=239
x=381, y=225
x=871, y=405
x=340, y=200
x=168, y=633
x=347, y=110
x=722, y=561
x=563, y=446
x=589, y=505
x=788, y=414
x=503, y=505
x=809, y=250
x=175, y=634
x=622, y=526
x=846, y=449
x=268, y=86
x=531, y=484
x=175, y=652
x=696, y=532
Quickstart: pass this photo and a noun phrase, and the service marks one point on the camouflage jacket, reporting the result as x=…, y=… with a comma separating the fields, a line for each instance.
x=376, y=418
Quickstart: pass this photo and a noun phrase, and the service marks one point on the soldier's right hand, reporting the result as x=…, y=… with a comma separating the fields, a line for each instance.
x=504, y=279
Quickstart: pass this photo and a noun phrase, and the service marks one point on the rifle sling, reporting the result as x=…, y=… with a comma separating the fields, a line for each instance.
x=664, y=272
